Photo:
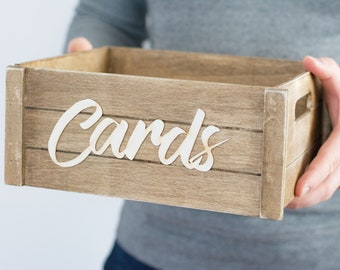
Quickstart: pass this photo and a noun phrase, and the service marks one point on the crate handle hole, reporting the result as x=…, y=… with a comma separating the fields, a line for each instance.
x=303, y=106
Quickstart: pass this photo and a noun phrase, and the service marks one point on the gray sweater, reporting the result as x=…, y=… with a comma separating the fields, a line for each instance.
x=177, y=238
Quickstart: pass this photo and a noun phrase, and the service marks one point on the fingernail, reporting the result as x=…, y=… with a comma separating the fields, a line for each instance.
x=304, y=191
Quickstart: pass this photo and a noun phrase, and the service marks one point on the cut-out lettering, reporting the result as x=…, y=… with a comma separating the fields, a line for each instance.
x=137, y=138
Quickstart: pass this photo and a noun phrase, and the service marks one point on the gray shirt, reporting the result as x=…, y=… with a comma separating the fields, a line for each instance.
x=177, y=238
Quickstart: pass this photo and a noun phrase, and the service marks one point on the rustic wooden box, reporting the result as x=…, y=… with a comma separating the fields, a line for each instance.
x=262, y=117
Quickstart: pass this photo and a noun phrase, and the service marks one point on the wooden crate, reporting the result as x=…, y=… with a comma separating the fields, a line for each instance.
x=242, y=129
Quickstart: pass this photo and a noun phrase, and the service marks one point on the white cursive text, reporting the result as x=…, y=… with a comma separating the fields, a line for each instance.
x=141, y=131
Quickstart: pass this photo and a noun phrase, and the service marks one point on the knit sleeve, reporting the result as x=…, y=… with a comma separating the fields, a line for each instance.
x=110, y=22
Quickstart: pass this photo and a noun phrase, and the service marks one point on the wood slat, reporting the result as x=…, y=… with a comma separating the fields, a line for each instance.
x=242, y=153
x=171, y=185
x=296, y=169
x=148, y=98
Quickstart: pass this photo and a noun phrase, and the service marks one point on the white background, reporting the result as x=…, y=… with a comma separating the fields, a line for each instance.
x=40, y=228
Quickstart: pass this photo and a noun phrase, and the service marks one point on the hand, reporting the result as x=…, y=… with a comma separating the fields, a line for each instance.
x=322, y=177
x=79, y=44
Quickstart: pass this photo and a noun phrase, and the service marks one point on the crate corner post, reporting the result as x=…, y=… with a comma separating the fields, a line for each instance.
x=274, y=153
x=14, y=151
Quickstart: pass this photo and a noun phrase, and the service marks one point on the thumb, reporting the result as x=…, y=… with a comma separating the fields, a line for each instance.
x=324, y=68
x=79, y=44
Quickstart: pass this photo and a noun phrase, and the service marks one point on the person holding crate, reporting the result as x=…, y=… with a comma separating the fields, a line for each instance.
x=162, y=237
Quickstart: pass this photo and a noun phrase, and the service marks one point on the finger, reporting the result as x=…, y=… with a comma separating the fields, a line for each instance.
x=321, y=193
x=79, y=44
x=326, y=162
x=328, y=71
x=327, y=159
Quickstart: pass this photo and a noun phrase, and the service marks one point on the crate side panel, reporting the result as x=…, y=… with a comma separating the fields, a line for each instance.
x=203, y=67
x=304, y=129
x=229, y=107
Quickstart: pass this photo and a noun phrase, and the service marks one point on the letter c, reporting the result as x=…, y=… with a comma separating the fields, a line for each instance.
x=62, y=123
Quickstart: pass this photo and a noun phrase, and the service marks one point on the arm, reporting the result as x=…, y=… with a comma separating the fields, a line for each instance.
x=322, y=177
x=108, y=22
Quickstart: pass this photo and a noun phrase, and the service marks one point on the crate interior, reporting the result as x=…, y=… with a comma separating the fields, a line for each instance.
x=177, y=65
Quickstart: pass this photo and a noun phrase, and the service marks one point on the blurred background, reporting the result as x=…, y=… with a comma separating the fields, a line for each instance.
x=40, y=228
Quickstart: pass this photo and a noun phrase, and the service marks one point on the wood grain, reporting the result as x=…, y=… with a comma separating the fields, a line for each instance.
x=176, y=65
x=296, y=169
x=231, y=156
x=96, y=60
x=149, y=182
x=14, y=155
x=148, y=98
x=203, y=67
x=306, y=130
x=274, y=154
